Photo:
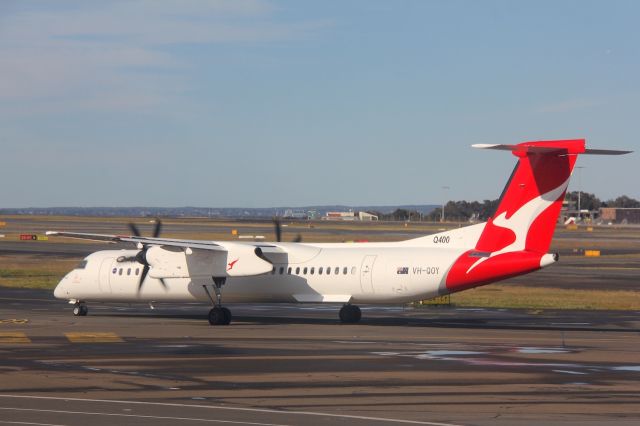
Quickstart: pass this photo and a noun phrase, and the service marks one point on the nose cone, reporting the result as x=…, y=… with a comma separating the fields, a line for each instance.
x=60, y=292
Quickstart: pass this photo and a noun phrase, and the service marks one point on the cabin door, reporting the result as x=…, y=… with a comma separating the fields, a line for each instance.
x=366, y=274
x=105, y=276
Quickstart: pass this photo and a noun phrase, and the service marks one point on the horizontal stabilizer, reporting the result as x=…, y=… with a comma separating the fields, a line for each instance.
x=606, y=152
x=543, y=149
x=520, y=148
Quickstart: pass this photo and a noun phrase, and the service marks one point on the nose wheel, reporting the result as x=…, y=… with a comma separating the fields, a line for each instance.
x=350, y=314
x=219, y=316
x=80, y=310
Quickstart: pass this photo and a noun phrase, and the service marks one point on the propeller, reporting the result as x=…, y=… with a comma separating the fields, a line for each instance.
x=278, y=226
x=141, y=256
x=134, y=230
x=278, y=231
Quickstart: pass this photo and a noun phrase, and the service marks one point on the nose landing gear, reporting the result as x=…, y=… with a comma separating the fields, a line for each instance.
x=219, y=316
x=80, y=310
x=350, y=314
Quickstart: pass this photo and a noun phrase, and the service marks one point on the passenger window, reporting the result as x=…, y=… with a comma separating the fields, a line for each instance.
x=320, y=270
x=304, y=272
x=273, y=271
x=353, y=270
x=129, y=271
x=344, y=270
x=298, y=270
x=313, y=269
x=115, y=270
x=137, y=271
x=289, y=270
x=281, y=270
x=120, y=271
x=337, y=271
x=328, y=270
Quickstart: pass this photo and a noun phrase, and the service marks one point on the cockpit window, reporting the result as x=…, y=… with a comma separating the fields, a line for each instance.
x=82, y=265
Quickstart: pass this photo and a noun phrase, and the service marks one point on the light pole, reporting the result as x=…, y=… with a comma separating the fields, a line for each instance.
x=443, y=203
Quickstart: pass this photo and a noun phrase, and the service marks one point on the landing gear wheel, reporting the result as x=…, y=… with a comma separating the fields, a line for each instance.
x=80, y=310
x=227, y=316
x=219, y=316
x=350, y=314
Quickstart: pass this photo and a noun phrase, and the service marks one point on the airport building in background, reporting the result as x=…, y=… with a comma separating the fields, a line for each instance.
x=604, y=215
x=350, y=216
x=620, y=215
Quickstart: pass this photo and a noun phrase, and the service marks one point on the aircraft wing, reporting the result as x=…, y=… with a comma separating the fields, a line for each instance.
x=175, y=258
x=194, y=244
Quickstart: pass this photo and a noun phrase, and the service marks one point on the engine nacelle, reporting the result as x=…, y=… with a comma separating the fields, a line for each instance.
x=234, y=260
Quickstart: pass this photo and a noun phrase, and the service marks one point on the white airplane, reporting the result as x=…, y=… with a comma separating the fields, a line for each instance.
x=515, y=241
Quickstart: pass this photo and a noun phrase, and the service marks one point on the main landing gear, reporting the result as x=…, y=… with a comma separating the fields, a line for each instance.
x=350, y=314
x=218, y=315
x=80, y=310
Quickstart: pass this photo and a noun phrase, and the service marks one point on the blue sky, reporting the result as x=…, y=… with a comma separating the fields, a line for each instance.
x=270, y=103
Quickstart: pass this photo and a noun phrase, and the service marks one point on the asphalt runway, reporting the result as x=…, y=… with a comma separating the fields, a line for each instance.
x=296, y=365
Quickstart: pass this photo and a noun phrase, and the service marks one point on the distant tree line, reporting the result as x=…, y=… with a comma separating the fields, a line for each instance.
x=589, y=201
x=455, y=211
x=465, y=211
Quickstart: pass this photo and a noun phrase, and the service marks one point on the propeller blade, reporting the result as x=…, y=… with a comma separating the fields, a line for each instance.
x=141, y=257
x=298, y=239
x=278, y=229
x=143, y=275
x=158, y=228
x=164, y=284
x=134, y=230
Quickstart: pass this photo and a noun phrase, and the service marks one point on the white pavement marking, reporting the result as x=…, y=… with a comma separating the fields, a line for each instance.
x=138, y=416
x=28, y=423
x=216, y=407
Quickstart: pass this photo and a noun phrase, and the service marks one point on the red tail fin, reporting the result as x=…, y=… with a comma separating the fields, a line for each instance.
x=530, y=204
x=518, y=236
x=515, y=240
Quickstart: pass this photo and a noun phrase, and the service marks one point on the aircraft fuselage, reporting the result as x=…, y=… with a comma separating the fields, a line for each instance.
x=338, y=273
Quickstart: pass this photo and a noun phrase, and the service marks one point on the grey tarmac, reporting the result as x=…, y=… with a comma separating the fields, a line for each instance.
x=296, y=365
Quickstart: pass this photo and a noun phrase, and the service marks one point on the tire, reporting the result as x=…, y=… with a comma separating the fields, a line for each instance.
x=350, y=314
x=357, y=313
x=80, y=310
x=219, y=316
x=227, y=316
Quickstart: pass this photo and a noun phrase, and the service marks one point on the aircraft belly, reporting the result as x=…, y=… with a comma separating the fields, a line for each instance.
x=266, y=288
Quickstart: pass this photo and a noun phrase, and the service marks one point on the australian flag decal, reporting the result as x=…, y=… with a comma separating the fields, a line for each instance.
x=403, y=270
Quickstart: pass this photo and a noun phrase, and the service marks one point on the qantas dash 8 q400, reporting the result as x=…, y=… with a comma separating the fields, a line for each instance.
x=514, y=241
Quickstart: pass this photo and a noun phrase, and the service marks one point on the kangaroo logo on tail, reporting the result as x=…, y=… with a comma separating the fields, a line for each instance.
x=520, y=222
